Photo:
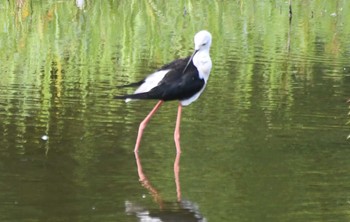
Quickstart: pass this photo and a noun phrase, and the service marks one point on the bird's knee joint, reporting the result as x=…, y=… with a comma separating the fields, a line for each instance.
x=142, y=126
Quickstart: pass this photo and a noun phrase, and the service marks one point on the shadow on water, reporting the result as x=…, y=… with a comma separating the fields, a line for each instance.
x=177, y=210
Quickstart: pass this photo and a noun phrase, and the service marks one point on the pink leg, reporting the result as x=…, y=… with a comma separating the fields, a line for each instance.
x=177, y=129
x=143, y=125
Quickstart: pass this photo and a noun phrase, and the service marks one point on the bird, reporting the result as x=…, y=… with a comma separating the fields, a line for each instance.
x=183, y=79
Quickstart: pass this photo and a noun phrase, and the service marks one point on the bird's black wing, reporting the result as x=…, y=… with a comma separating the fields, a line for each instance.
x=183, y=88
x=174, y=86
x=177, y=85
x=175, y=65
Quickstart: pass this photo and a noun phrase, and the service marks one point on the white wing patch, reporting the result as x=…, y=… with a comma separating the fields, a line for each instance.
x=150, y=82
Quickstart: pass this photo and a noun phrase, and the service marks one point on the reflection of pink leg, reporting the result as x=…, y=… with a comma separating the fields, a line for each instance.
x=145, y=182
x=177, y=129
x=177, y=176
x=142, y=176
x=143, y=125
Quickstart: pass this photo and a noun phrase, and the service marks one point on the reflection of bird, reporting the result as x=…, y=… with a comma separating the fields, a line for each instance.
x=185, y=211
x=182, y=79
x=180, y=210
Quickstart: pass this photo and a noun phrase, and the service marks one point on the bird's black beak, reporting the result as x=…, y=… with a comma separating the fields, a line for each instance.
x=189, y=61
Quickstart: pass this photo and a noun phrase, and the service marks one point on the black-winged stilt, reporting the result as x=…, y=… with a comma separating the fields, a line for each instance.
x=182, y=79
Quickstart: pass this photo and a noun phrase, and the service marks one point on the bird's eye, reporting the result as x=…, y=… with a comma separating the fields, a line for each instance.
x=204, y=44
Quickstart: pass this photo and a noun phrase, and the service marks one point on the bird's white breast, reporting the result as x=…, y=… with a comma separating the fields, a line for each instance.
x=203, y=63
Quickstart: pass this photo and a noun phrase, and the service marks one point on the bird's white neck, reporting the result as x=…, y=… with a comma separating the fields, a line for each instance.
x=203, y=63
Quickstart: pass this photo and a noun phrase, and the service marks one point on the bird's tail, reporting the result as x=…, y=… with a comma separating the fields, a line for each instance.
x=130, y=97
x=121, y=97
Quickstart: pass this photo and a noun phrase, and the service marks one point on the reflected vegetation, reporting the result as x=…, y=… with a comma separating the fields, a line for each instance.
x=348, y=118
x=266, y=142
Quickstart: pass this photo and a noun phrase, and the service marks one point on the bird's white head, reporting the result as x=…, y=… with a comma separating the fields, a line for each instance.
x=202, y=40
x=200, y=57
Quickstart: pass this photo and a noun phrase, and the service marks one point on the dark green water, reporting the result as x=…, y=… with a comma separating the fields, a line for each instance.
x=266, y=141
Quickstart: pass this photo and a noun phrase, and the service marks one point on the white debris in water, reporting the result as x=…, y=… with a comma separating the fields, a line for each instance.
x=44, y=137
x=143, y=196
x=334, y=14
